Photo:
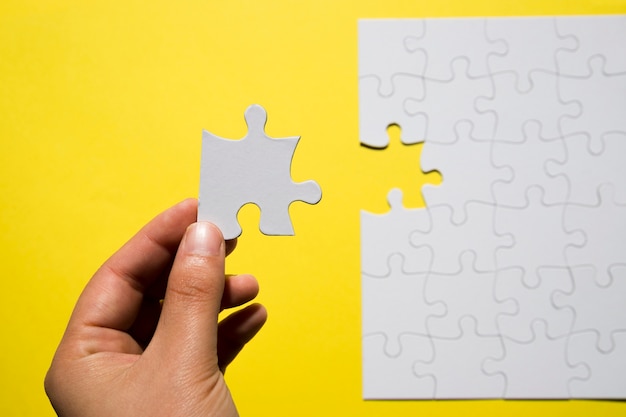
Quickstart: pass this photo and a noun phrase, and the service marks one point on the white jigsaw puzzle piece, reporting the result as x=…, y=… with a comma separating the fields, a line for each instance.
x=603, y=101
x=385, y=234
x=531, y=47
x=255, y=169
x=604, y=227
x=607, y=370
x=597, y=36
x=536, y=369
x=513, y=108
x=533, y=302
x=391, y=377
x=441, y=116
x=377, y=113
x=461, y=185
x=383, y=53
x=527, y=160
x=444, y=40
x=458, y=362
x=538, y=232
x=448, y=240
x=395, y=304
x=598, y=306
x=468, y=293
x=585, y=172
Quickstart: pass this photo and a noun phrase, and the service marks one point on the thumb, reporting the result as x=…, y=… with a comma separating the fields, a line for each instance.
x=188, y=324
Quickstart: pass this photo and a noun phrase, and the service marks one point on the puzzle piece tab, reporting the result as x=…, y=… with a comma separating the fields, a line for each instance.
x=255, y=169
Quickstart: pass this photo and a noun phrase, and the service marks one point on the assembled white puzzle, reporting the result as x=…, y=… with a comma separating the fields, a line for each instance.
x=255, y=169
x=511, y=282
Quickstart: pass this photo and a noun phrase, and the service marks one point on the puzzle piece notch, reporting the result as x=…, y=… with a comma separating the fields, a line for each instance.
x=385, y=234
x=444, y=40
x=467, y=170
x=469, y=293
x=598, y=304
x=395, y=304
x=535, y=369
x=458, y=362
x=255, y=169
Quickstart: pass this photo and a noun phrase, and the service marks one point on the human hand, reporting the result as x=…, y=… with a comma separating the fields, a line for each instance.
x=125, y=354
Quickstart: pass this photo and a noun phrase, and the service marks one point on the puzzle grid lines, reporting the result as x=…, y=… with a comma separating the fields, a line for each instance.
x=511, y=282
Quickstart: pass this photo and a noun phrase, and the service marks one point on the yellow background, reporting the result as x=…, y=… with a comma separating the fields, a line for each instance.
x=102, y=104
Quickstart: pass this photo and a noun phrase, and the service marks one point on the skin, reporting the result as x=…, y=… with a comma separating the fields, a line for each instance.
x=144, y=337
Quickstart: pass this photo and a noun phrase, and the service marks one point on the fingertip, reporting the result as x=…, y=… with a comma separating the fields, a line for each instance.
x=236, y=330
x=260, y=313
x=257, y=316
x=203, y=239
x=189, y=202
x=245, y=323
x=239, y=289
x=189, y=206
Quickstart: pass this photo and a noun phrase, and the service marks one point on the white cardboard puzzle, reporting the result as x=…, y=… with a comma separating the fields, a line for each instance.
x=255, y=169
x=511, y=282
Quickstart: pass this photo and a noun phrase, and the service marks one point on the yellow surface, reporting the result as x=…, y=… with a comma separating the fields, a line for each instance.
x=102, y=104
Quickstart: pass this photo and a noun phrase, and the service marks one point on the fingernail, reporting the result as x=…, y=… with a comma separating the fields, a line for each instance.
x=204, y=239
